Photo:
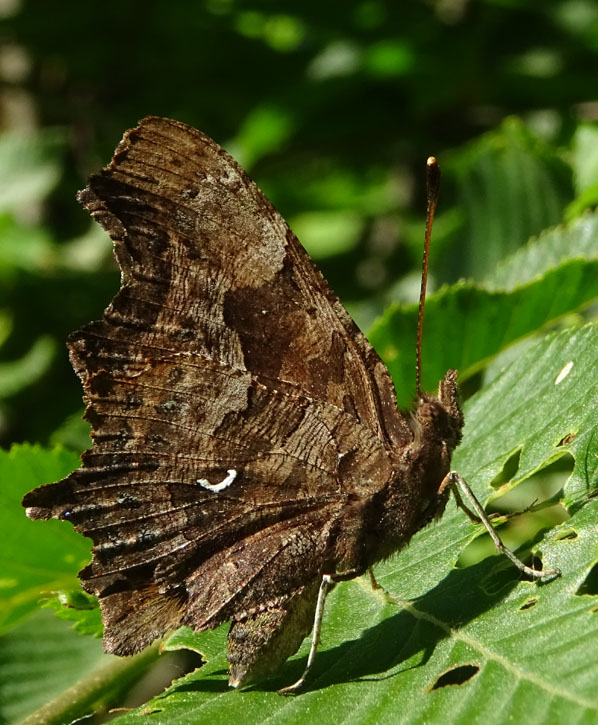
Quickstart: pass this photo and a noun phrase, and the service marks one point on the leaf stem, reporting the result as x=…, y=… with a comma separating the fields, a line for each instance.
x=98, y=689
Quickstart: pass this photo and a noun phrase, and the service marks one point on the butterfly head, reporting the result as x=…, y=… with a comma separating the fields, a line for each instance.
x=439, y=418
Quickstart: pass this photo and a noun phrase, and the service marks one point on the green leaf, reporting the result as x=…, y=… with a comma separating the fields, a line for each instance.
x=79, y=607
x=24, y=248
x=541, y=254
x=584, y=157
x=515, y=647
x=550, y=277
x=584, y=161
x=29, y=167
x=36, y=556
x=39, y=659
x=263, y=131
x=73, y=433
x=510, y=187
x=389, y=58
x=18, y=374
x=329, y=232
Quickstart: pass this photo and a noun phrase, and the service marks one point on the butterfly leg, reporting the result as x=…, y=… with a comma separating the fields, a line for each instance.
x=373, y=580
x=459, y=486
x=326, y=584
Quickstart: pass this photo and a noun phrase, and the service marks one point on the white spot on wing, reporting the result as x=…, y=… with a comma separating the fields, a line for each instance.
x=564, y=372
x=217, y=487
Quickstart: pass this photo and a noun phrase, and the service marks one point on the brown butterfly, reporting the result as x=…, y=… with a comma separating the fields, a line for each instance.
x=247, y=447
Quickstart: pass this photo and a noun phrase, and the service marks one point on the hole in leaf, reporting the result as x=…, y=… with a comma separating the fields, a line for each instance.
x=590, y=584
x=569, y=438
x=529, y=604
x=566, y=535
x=508, y=470
x=534, y=562
x=594, y=610
x=541, y=493
x=455, y=676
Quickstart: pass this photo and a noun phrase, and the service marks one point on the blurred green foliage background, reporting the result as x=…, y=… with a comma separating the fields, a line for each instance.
x=332, y=107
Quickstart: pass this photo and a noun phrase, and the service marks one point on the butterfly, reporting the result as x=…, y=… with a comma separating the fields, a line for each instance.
x=248, y=451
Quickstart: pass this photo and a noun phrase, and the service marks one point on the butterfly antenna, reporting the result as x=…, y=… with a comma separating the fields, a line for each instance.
x=433, y=182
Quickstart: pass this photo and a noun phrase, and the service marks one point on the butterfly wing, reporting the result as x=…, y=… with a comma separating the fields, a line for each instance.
x=237, y=411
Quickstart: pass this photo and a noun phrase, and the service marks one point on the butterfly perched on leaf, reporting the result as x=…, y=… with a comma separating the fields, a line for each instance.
x=246, y=437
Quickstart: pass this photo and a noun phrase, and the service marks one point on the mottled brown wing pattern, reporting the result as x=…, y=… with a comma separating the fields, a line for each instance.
x=236, y=408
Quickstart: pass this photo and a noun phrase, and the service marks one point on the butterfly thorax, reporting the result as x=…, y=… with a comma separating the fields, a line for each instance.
x=411, y=499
